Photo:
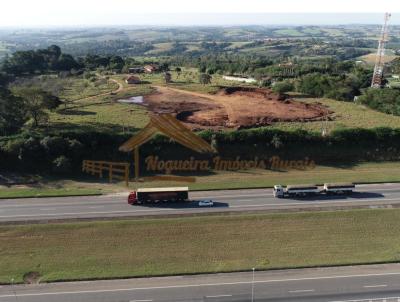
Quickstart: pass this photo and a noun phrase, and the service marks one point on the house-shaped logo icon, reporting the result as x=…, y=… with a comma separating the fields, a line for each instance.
x=168, y=125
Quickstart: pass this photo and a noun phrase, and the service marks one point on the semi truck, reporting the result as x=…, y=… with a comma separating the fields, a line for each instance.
x=155, y=195
x=281, y=191
x=339, y=188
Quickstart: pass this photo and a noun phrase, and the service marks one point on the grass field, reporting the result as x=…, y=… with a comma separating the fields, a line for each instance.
x=45, y=192
x=103, y=113
x=291, y=32
x=370, y=58
x=363, y=172
x=346, y=115
x=198, y=244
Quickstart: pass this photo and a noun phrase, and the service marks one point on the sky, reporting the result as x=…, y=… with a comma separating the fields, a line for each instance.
x=25, y=13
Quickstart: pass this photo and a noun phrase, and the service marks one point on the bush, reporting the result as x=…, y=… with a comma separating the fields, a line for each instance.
x=62, y=165
x=282, y=87
x=385, y=100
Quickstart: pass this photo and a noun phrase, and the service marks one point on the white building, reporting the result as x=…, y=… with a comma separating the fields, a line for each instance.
x=239, y=79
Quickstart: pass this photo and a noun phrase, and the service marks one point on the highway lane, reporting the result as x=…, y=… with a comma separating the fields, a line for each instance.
x=377, y=195
x=379, y=283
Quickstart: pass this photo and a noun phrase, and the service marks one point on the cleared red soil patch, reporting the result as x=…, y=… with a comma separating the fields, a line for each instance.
x=232, y=107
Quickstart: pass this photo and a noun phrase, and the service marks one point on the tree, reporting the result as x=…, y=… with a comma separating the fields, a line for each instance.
x=164, y=67
x=386, y=100
x=37, y=102
x=30, y=62
x=282, y=87
x=205, y=78
x=116, y=63
x=167, y=78
x=66, y=62
x=178, y=70
x=12, y=114
x=276, y=141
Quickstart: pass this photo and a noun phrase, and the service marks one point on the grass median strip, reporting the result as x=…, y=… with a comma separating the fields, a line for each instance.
x=45, y=192
x=150, y=247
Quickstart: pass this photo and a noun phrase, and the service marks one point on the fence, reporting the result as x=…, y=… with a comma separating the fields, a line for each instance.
x=115, y=170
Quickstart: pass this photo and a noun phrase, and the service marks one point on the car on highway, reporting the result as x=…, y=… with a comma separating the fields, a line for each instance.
x=206, y=203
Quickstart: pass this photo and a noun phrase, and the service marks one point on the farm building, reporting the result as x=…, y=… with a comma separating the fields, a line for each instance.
x=150, y=68
x=136, y=70
x=239, y=79
x=133, y=80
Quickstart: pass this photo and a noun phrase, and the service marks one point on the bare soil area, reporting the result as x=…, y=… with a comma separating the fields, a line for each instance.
x=232, y=107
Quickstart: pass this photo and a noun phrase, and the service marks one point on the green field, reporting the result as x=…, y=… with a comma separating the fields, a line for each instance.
x=358, y=173
x=346, y=115
x=99, y=112
x=199, y=244
x=45, y=192
x=291, y=32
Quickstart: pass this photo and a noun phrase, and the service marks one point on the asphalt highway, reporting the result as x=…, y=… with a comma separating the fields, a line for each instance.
x=378, y=283
x=106, y=206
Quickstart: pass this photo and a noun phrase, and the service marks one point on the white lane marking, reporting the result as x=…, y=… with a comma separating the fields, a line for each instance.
x=218, y=296
x=48, y=209
x=369, y=300
x=301, y=291
x=206, y=284
x=98, y=207
x=373, y=286
x=140, y=300
x=232, y=196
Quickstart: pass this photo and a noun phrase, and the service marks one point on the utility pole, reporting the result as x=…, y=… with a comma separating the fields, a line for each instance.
x=380, y=54
x=14, y=291
x=252, y=287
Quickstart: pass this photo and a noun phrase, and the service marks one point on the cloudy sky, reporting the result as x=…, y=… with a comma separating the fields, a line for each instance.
x=193, y=12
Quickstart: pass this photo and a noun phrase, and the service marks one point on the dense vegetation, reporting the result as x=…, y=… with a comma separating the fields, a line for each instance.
x=344, y=87
x=52, y=59
x=65, y=152
x=386, y=100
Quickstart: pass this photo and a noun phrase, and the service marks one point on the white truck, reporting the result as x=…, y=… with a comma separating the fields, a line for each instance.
x=295, y=190
x=309, y=190
x=339, y=188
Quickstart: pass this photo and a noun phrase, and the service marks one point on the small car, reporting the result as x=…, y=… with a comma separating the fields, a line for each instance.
x=206, y=203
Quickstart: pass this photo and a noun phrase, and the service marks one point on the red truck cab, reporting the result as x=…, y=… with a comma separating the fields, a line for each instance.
x=156, y=195
x=132, y=199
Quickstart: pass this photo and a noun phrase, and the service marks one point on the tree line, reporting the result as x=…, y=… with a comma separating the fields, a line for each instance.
x=64, y=152
x=52, y=59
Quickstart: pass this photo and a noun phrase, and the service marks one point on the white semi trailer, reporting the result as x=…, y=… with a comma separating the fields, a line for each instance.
x=339, y=188
x=309, y=190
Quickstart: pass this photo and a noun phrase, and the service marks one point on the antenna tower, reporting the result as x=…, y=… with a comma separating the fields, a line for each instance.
x=380, y=54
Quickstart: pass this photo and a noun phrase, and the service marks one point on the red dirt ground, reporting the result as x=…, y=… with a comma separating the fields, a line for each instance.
x=232, y=107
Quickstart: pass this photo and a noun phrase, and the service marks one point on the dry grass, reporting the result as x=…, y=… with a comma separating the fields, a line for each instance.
x=371, y=58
